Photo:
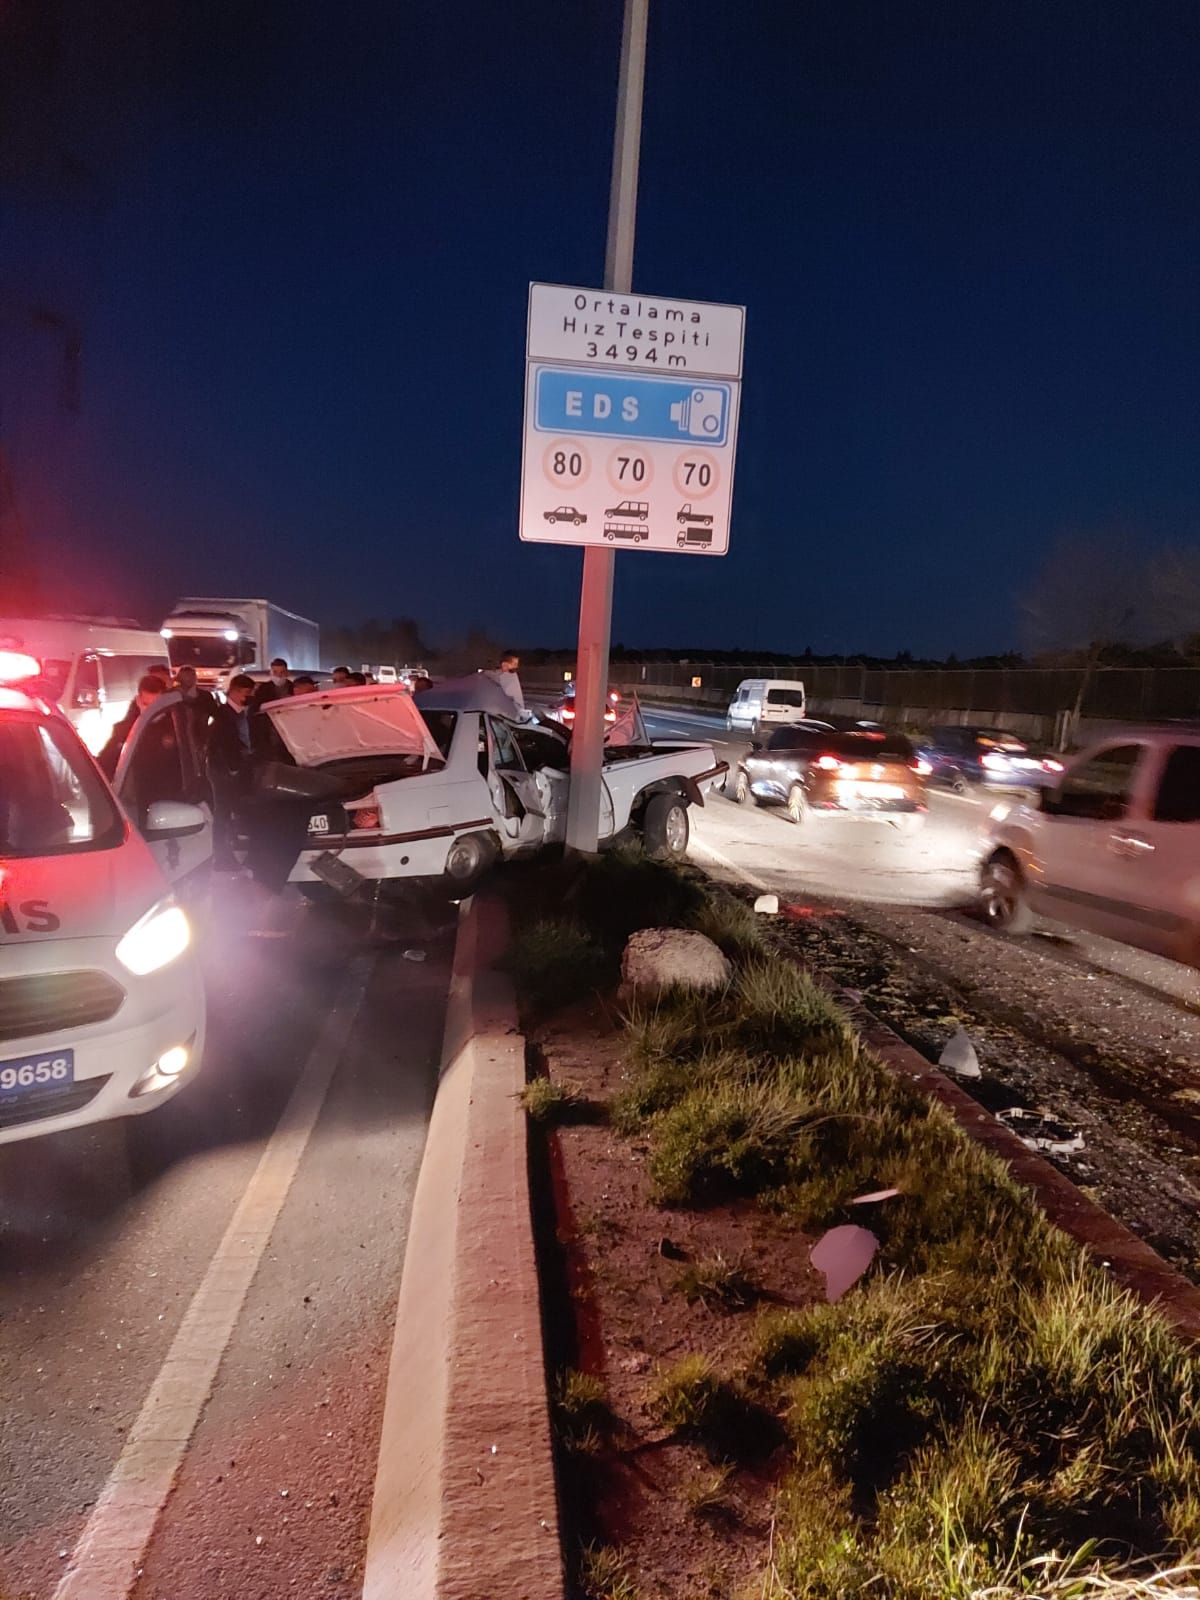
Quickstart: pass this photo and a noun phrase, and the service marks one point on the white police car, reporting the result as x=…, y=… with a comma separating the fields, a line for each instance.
x=101, y=997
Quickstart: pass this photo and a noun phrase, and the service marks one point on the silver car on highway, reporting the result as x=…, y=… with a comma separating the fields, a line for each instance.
x=1113, y=847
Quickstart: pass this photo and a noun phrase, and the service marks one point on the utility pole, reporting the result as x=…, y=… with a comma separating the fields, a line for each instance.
x=595, y=601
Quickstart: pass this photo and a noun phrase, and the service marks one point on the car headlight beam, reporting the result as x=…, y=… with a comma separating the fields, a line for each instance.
x=155, y=940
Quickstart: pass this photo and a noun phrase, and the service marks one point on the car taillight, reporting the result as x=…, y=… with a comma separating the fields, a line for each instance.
x=15, y=665
x=614, y=697
x=1050, y=765
x=921, y=767
x=994, y=763
x=366, y=817
x=828, y=763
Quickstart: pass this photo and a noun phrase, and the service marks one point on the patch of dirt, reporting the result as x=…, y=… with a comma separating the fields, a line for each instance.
x=622, y=1257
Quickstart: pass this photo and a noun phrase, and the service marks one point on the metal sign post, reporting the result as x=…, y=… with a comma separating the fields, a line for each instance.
x=595, y=601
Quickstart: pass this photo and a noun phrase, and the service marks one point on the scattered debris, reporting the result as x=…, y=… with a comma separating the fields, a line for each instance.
x=767, y=905
x=843, y=1255
x=1039, y=1131
x=959, y=1056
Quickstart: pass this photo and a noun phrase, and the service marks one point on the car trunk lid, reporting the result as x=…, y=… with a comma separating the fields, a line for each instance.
x=341, y=723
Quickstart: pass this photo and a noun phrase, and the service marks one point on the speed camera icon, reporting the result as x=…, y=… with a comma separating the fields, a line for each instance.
x=701, y=415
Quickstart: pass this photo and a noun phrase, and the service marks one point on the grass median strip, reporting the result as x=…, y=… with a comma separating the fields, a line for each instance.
x=985, y=1413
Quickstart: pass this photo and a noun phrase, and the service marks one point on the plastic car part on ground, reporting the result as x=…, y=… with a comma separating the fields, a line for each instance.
x=1037, y=1130
x=959, y=1056
x=842, y=1256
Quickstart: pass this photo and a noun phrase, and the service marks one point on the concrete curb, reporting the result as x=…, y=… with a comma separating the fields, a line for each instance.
x=465, y=1503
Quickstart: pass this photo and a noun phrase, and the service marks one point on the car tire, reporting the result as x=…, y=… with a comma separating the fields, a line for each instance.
x=665, y=827
x=551, y=520
x=467, y=861
x=1003, y=899
x=958, y=784
x=576, y=520
x=797, y=805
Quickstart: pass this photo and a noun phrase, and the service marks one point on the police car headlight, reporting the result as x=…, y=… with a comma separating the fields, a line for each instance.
x=157, y=939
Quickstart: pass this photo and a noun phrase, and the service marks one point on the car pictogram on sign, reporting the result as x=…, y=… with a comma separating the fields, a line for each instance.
x=628, y=509
x=565, y=514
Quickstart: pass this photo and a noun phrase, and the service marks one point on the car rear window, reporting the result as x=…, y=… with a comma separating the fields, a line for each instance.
x=865, y=746
x=441, y=726
x=1007, y=742
x=785, y=697
x=52, y=800
x=1179, y=789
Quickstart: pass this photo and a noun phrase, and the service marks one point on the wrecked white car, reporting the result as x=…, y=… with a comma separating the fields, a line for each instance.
x=436, y=794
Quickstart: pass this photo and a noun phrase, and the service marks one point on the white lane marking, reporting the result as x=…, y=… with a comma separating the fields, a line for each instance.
x=105, y=1562
x=722, y=860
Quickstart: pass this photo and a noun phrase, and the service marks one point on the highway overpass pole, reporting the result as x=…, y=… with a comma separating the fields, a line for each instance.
x=595, y=601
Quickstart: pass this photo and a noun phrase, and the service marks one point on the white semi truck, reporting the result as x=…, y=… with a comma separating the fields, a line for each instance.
x=220, y=636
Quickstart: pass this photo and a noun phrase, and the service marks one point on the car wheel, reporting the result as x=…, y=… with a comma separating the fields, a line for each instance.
x=577, y=520
x=754, y=728
x=797, y=804
x=1003, y=898
x=958, y=784
x=665, y=827
x=467, y=861
x=551, y=520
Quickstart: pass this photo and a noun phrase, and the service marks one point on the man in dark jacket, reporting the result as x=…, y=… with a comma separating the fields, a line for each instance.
x=277, y=687
x=230, y=765
x=148, y=690
x=201, y=703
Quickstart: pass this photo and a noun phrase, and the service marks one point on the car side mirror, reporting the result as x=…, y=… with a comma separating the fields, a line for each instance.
x=173, y=819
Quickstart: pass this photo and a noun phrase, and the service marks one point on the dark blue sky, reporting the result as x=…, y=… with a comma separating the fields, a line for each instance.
x=966, y=234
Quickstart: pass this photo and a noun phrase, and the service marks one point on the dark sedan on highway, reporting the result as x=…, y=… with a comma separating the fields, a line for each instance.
x=989, y=758
x=815, y=768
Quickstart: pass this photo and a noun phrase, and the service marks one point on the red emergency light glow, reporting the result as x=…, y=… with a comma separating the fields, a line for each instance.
x=15, y=666
x=829, y=763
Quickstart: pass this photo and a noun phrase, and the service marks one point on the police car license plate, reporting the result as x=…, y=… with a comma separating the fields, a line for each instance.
x=318, y=824
x=31, y=1075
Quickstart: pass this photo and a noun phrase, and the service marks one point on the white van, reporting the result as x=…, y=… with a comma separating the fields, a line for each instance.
x=101, y=996
x=90, y=666
x=766, y=702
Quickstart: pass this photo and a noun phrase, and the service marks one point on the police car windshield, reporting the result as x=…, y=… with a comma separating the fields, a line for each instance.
x=52, y=801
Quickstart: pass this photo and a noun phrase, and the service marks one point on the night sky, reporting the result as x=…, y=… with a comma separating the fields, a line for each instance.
x=297, y=245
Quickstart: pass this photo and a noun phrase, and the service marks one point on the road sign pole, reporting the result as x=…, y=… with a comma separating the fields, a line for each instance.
x=595, y=601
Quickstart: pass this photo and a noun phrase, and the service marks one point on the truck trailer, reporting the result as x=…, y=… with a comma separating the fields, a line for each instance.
x=220, y=636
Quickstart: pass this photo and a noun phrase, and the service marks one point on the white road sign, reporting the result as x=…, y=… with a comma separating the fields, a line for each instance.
x=631, y=411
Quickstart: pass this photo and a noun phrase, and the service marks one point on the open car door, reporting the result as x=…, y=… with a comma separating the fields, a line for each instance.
x=160, y=780
x=519, y=802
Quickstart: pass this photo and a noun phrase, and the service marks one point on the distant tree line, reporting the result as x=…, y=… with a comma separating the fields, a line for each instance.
x=1097, y=601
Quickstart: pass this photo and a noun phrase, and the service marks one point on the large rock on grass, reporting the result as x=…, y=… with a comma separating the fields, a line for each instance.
x=666, y=958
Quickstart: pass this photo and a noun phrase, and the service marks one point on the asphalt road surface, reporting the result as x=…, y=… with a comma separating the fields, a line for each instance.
x=253, y=1228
